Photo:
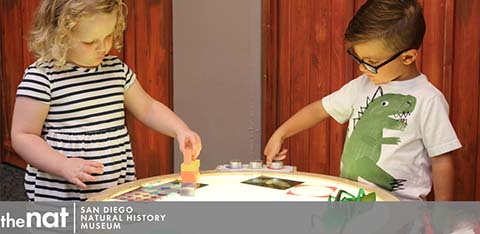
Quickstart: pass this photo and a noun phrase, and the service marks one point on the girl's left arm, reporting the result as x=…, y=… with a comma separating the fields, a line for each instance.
x=443, y=173
x=160, y=118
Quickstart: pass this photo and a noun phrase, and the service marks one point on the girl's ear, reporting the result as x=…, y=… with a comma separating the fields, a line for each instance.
x=409, y=56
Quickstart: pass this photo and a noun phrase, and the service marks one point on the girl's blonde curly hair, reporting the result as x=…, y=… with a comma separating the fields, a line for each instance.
x=51, y=35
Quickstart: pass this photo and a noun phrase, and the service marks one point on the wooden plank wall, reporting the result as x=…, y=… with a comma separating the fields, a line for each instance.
x=304, y=59
x=12, y=67
x=148, y=51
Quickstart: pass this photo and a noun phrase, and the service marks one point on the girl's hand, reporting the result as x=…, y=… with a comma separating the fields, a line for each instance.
x=77, y=171
x=272, y=150
x=190, y=144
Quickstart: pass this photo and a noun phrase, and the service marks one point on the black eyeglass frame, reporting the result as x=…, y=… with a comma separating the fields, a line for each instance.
x=370, y=67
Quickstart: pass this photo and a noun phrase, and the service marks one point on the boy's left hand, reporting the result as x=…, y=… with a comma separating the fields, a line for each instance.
x=189, y=141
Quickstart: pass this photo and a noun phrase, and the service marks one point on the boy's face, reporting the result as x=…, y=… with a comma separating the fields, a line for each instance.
x=92, y=39
x=375, y=53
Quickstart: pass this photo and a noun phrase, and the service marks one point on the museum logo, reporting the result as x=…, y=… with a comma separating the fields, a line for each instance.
x=36, y=220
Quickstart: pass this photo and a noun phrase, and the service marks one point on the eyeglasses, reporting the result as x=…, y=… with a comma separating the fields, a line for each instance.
x=369, y=67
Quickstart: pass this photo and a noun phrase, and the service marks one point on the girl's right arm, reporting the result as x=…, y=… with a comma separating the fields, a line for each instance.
x=28, y=118
x=307, y=117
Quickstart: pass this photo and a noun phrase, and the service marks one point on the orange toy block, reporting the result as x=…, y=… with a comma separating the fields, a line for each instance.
x=189, y=177
x=194, y=166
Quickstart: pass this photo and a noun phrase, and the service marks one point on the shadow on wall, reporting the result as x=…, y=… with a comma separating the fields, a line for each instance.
x=11, y=183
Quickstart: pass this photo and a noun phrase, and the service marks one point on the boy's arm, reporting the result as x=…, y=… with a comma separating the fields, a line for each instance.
x=307, y=117
x=28, y=118
x=443, y=177
x=160, y=118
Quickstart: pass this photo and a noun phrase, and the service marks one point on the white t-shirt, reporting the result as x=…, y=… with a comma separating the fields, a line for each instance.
x=393, y=131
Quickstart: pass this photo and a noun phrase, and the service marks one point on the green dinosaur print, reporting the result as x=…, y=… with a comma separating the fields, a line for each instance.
x=363, y=148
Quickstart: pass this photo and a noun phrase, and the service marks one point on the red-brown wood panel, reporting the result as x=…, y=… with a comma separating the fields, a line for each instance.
x=358, y=4
x=477, y=174
x=12, y=69
x=465, y=94
x=307, y=74
x=269, y=88
x=433, y=42
x=152, y=33
x=299, y=60
x=2, y=125
x=448, y=48
x=420, y=52
x=465, y=89
x=437, y=48
x=27, y=23
x=449, y=57
x=320, y=54
x=284, y=68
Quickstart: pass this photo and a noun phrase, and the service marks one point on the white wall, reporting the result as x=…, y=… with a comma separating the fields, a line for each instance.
x=217, y=77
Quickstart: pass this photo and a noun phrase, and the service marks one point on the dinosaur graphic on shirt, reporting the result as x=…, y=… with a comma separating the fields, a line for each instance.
x=362, y=149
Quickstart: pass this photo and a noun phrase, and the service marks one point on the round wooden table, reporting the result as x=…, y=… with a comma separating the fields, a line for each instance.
x=241, y=186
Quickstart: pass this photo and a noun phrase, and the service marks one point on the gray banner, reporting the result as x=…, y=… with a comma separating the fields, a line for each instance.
x=240, y=217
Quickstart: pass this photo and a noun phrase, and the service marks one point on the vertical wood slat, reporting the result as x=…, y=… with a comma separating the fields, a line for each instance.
x=299, y=59
x=129, y=43
x=269, y=68
x=2, y=124
x=284, y=69
x=475, y=46
x=448, y=48
x=320, y=73
x=152, y=58
x=434, y=41
x=12, y=48
x=28, y=58
x=436, y=59
x=420, y=51
x=476, y=174
x=27, y=23
x=465, y=89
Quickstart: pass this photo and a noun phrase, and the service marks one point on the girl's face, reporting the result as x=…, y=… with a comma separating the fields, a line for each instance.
x=92, y=39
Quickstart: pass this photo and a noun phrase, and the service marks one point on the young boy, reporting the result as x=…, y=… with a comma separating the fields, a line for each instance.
x=399, y=134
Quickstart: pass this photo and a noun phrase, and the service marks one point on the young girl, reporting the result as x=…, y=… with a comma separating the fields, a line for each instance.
x=69, y=117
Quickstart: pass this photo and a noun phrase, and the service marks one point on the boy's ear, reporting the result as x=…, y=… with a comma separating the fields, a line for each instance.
x=409, y=56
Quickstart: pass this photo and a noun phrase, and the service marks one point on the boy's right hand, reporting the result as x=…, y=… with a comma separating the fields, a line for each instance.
x=272, y=150
x=77, y=171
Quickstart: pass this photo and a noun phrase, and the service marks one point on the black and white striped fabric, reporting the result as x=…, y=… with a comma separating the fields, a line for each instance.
x=86, y=120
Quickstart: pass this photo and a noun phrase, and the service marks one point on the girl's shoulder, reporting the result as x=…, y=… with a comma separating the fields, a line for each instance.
x=112, y=59
x=41, y=66
x=40, y=71
x=48, y=68
x=113, y=62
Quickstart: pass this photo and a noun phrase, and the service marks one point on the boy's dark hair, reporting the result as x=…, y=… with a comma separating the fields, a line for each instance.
x=399, y=23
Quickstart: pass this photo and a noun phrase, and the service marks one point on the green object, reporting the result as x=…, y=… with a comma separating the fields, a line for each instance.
x=344, y=196
x=364, y=145
x=371, y=197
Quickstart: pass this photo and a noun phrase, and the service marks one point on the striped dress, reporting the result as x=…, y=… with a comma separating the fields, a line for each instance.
x=86, y=120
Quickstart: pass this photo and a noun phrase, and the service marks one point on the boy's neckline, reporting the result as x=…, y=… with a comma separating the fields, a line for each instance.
x=405, y=83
